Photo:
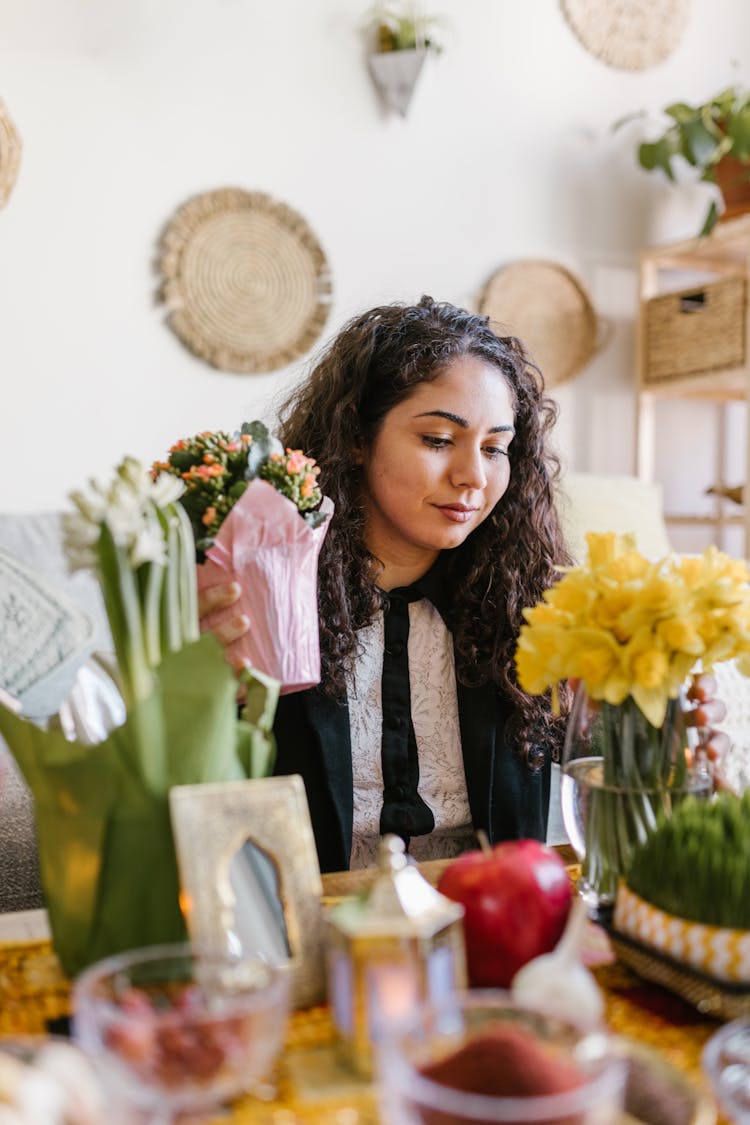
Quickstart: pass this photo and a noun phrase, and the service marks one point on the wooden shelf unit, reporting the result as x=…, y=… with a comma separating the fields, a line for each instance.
x=725, y=253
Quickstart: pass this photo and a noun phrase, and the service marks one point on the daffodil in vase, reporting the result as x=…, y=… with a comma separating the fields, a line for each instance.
x=631, y=631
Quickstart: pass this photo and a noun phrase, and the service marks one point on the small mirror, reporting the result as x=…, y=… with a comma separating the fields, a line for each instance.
x=249, y=874
x=254, y=909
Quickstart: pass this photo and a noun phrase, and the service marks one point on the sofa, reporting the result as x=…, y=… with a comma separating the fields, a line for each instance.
x=586, y=502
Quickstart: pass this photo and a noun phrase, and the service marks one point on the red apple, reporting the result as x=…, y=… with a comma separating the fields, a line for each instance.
x=517, y=896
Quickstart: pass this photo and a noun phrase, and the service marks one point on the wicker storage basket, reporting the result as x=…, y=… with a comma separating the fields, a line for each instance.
x=695, y=330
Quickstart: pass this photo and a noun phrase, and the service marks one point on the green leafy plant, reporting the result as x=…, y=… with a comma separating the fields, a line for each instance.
x=696, y=865
x=398, y=27
x=702, y=136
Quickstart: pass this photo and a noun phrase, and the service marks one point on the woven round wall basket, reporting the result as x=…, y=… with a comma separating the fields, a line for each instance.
x=246, y=283
x=627, y=34
x=10, y=154
x=549, y=309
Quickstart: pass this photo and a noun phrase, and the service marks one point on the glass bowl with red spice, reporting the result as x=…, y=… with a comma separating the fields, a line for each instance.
x=173, y=1030
x=480, y=1057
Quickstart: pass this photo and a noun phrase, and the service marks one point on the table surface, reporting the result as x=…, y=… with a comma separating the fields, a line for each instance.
x=313, y=1087
x=349, y=882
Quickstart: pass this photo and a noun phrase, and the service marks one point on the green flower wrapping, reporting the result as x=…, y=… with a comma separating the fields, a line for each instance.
x=106, y=852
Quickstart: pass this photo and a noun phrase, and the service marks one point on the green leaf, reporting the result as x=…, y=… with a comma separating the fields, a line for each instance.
x=187, y=582
x=738, y=131
x=724, y=104
x=151, y=580
x=256, y=747
x=182, y=459
x=712, y=216
x=314, y=519
x=263, y=445
x=680, y=112
x=169, y=607
x=120, y=592
x=262, y=698
x=237, y=489
x=702, y=142
x=628, y=117
x=656, y=154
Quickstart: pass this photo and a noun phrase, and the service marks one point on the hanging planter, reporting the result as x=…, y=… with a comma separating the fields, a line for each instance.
x=402, y=43
x=395, y=74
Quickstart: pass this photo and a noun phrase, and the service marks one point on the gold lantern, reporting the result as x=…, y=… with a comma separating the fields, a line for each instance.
x=398, y=943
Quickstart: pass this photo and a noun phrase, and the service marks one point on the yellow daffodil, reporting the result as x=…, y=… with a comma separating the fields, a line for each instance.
x=606, y=547
x=629, y=626
x=572, y=595
x=681, y=633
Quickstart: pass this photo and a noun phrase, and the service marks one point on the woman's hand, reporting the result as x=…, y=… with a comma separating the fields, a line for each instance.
x=229, y=626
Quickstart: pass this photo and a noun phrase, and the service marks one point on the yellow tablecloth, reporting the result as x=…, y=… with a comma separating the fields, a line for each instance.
x=313, y=1088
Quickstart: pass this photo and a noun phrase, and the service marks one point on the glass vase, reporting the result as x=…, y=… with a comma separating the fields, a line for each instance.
x=619, y=776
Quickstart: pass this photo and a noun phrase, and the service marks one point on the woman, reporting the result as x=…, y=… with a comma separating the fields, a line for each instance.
x=430, y=432
x=431, y=435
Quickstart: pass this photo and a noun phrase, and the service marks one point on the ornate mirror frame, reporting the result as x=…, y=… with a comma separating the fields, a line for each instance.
x=211, y=822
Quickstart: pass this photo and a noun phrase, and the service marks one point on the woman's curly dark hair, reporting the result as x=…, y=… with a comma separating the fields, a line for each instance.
x=504, y=565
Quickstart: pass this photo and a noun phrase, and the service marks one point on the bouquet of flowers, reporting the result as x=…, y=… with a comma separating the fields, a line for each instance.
x=106, y=851
x=628, y=627
x=631, y=631
x=259, y=517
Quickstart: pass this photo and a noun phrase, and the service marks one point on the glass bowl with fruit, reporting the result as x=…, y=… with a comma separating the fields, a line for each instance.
x=481, y=1057
x=174, y=1030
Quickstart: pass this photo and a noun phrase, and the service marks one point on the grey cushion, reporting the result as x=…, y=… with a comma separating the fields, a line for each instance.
x=35, y=540
x=44, y=638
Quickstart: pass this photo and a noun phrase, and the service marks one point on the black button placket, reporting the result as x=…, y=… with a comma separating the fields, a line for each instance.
x=404, y=812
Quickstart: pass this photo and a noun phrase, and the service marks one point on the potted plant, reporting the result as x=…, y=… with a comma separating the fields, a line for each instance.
x=402, y=39
x=714, y=139
x=399, y=27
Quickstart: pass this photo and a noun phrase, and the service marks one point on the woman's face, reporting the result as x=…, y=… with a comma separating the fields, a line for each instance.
x=437, y=467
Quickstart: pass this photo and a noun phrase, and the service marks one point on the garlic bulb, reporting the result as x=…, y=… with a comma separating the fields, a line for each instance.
x=558, y=983
x=53, y=1085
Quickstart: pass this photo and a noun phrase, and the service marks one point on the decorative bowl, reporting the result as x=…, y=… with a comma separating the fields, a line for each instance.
x=481, y=1057
x=726, y=1061
x=173, y=1030
x=716, y=951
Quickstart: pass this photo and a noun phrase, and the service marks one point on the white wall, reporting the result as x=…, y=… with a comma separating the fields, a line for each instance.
x=129, y=107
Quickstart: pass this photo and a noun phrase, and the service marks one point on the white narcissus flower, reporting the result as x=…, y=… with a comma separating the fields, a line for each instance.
x=127, y=506
x=148, y=544
x=124, y=513
x=92, y=507
x=133, y=475
x=119, y=530
x=166, y=489
x=80, y=537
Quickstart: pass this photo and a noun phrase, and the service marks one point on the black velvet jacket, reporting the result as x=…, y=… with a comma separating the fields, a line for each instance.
x=508, y=800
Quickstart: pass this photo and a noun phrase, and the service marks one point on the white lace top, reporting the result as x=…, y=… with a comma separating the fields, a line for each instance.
x=434, y=711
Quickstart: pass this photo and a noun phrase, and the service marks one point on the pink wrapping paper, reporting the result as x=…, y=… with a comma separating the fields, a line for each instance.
x=266, y=546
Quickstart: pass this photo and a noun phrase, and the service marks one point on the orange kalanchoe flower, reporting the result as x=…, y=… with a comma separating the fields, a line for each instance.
x=217, y=467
